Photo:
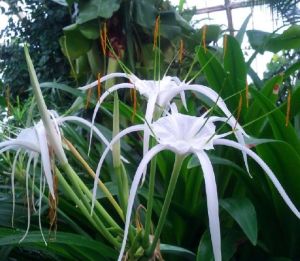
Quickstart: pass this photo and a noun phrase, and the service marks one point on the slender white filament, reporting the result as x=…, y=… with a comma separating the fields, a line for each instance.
x=134, y=186
x=122, y=133
x=266, y=168
x=212, y=203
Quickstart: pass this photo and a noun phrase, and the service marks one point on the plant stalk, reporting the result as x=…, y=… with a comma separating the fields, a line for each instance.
x=171, y=188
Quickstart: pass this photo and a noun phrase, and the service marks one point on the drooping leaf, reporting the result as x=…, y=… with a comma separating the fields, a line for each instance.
x=243, y=212
x=73, y=43
x=240, y=35
x=92, y=9
x=177, y=251
x=263, y=41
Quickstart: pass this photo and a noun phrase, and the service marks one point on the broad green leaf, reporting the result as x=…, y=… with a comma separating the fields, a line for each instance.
x=277, y=121
x=228, y=245
x=263, y=41
x=235, y=66
x=240, y=35
x=73, y=43
x=255, y=110
x=213, y=32
x=12, y=237
x=215, y=160
x=90, y=29
x=243, y=212
x=62, y=87
x=212, y=69
x=145, y=13
x=177, y=251
x=92, y=9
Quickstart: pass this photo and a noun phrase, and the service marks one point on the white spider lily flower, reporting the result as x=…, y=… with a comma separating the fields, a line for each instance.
x=161, y=93
x=186, y=135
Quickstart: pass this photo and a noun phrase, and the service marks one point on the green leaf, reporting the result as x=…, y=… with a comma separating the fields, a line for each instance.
x=90, y=29
x=243, y=212
x=277, y=121
x=92, y=9
x=263, y=41
x=215, y=160
x=212, y=69
x=62, y=87
x=240, y=35
x=145, y=13
x=11, y=237
x=73, y=43
x=228, y=245
x=213, y=32
x=177, y=251
x=235, y=66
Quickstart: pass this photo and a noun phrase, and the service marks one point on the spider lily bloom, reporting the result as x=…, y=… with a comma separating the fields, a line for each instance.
x=185, y=135
x=161, y=93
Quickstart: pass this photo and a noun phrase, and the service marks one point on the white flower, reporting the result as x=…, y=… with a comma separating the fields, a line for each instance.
x=186, y=135
x=161, y=93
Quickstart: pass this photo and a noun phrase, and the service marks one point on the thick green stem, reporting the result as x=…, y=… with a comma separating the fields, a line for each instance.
x=81, y=187
x=150, y=200
x=156, y=115
x=120, y=172
x=98, y=225
x=171, y=188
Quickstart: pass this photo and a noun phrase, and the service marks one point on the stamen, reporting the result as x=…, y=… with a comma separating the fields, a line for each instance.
x=204, y=31
x=156, y=32
x=133, y=97
x=99, y=86
x=181, y=51
x=103, y=38
x=89, y=93
x=288, y=109
x=225, y=44
x=7, y=99
x=239, y=111
x=247, y=94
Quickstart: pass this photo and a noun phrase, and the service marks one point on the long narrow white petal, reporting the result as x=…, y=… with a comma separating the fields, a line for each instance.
x=212, y=203
x=134, y=186
x=238, y=134
x=28, y=199
x=265, y=167
x=89, y=125
x=148, y=121
x=103, y=79
x=13, y=171
x=46, y=162
x=122, y=133
x=14, y=143
x=42, y=185
x=102, y=98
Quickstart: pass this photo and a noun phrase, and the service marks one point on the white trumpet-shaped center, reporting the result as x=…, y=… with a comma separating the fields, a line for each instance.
x=184, y=134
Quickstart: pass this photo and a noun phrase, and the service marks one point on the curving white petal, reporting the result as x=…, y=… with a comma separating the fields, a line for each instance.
x=134, y=186
x=148, y=121
x=122, y=133
x=89, y=125
x=212, y=203
x=265, y=167
x=46, y=162
x=238, y=134
x=27, y=198
x=103, y=79
x=13, y=171
x=102, y=98
x=15, y=144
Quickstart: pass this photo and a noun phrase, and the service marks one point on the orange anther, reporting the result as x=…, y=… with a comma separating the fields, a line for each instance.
x=156, y=32
x=288, y=108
